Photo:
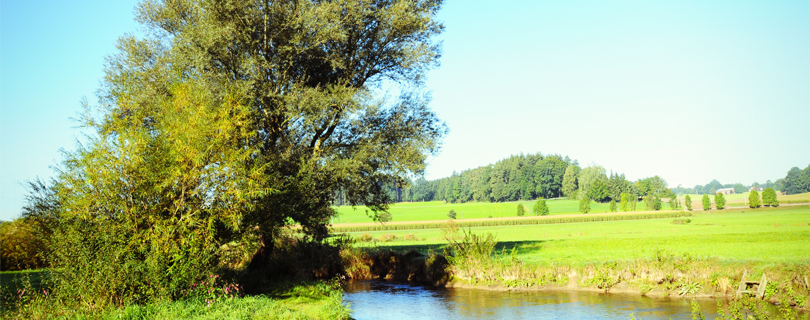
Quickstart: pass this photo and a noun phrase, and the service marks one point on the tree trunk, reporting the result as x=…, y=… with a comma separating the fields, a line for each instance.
x=260, y=258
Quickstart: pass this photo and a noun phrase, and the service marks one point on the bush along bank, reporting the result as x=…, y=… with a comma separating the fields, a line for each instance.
x=370, y=264
x=473, y=262
x=302, y=279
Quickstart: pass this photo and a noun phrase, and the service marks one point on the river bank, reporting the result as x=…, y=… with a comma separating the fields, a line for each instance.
x=702, y=257
x=668, y=276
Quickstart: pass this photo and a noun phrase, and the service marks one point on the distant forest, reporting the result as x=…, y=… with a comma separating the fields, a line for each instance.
x=796, y=181
x=533, y=176
x=528, y=177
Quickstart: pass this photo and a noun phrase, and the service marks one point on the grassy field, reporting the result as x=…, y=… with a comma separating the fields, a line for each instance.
x=437, y=210
x=313, y=300
x=767, y=236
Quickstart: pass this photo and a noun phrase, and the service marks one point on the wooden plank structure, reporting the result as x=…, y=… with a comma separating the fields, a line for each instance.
x=756, y=288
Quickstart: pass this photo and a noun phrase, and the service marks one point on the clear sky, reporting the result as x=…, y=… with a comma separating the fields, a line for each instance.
x=690, y=91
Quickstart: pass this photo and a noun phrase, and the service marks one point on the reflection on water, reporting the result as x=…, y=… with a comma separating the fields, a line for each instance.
x=390, y=300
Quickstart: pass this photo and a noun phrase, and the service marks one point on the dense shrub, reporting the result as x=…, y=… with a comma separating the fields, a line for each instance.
x=707, y=204
x=22, y=245
x=585, y=205
x=688, y=202
x=521, y=210
x=652, y=203
x=719, y=201
x=540, y=208
x=625, y=203
x=769, y=197
x=469, y=245
x=753, y=199
x=451, y=214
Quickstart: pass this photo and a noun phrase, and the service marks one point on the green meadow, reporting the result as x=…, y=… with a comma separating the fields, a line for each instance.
x=437, y=210
x=304, y=300
x=753, y=235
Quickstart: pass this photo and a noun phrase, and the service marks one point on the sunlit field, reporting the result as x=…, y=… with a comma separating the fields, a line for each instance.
x=768, y=236
x=437, y=210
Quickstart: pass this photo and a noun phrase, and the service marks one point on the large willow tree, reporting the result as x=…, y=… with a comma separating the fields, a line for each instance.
x=233, y=119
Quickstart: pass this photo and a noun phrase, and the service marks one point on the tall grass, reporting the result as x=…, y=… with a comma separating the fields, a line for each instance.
x=303, y=300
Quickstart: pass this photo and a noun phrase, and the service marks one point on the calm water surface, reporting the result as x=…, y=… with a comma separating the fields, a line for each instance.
x=393, y=300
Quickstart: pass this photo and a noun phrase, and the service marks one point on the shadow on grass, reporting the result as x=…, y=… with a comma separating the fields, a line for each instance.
x=11, y=281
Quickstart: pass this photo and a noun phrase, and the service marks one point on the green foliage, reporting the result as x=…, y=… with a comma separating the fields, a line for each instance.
x=719, y=201
x=652, y=202
x=688, y=202
x=585, y=205
x=469, y=245
x=145, y=208
x=521, y=210
x=588, y=177
x=384, y=216
x=227, y=123
x=451, y=214
x=570, y=185
x=549, y=174
x=599, y=190
x=216, y=300
x=655, y=186
x=753, y=199
x=796, y=181
x=618, y=184
x=540, y=207
x=769, y=197
x=707, y=203
x=24, y=245
x=625, y=205
x=613, y=206
x=690, y=288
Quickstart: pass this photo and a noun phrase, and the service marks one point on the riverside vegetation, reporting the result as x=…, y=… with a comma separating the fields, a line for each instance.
x=702, y=256
x=218, y=145
x=217, y=128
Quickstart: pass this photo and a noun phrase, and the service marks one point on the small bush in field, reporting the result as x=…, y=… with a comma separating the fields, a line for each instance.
x=769, y=197
x=388, y=237
x=719, y=201
x=540, y=207
x=753, y=199
x=365, y=237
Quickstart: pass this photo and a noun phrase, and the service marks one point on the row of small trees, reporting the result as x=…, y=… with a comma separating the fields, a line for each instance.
x=628, y=203
x=754, y=201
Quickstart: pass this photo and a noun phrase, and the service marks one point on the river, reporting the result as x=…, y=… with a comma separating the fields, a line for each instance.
x=396, y=300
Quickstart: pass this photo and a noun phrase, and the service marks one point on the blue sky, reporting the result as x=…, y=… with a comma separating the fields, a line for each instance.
x=690, y=91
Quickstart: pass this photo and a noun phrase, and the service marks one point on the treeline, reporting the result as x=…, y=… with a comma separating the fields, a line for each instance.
x=796, y=181
x=529, y=177
x=712, y=187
